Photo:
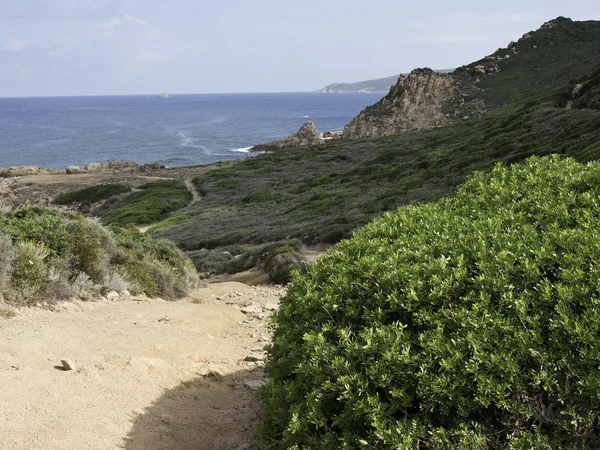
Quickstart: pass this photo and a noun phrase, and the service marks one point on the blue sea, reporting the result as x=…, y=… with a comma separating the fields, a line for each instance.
x=182, y=130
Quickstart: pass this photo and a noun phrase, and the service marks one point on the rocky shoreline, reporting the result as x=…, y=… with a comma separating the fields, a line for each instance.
x=116, y=166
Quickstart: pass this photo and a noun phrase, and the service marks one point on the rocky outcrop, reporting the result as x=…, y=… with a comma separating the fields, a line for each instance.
x=334, y=134
x=305, y=137
x=422, y=100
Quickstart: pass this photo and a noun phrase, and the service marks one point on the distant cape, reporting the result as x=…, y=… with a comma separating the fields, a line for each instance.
x=377, y=86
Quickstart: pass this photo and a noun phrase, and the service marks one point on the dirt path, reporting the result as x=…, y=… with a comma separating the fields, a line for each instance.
x=195, y=194
x=149, y=374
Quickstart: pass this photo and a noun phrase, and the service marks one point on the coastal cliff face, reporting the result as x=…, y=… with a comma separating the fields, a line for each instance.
x=542, y=60
x=421, y=100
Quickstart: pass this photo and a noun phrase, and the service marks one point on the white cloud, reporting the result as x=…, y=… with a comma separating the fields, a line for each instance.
x=15, y=45
x=107, y=29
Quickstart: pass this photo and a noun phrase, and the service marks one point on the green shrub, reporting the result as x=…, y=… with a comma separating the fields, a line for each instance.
x=91, y=194
x=28, y=267
x=47, y=255
x=7, y=255
x=468, y=323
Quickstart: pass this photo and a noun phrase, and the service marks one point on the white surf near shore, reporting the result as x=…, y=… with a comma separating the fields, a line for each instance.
x=241, y=150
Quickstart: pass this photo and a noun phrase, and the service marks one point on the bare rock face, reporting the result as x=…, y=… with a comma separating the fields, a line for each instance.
x=306, y=136
x=422, y=100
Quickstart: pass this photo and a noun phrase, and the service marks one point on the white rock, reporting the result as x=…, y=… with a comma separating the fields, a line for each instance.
x=67, y=364
x=251, y=309
x=271, y=306
x=112, y=296
x=253, y=384
x=204, y=370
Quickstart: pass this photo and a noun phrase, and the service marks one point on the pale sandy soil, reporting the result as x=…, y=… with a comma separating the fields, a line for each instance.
x=140, y=380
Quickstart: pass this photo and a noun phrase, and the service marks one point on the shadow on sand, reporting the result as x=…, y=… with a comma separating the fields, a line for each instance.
x=213, y=412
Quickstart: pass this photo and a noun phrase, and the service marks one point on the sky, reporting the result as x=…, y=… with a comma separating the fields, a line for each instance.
x=123, y=47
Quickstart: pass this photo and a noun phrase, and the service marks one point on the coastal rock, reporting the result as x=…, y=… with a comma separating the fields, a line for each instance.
x=112, y=166
x=305, y=137
x=22, y=171
x=151, y=166
x=95, y=167
x=422, y=100
x=335, y=134
x=73, y=170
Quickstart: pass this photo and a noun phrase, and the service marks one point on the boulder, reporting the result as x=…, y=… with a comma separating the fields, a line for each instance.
x=96, y=167
x=306, y=136
x=73, y=170
x=281, y=266
x=151, y=166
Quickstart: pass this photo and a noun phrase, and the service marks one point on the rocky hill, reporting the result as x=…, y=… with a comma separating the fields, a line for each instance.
x=421, y=100
x=539, y=63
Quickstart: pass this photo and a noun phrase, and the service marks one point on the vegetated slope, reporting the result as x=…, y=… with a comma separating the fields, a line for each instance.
x=467, y=323
x=48, y=255
x=538, y=64
x=324, y=193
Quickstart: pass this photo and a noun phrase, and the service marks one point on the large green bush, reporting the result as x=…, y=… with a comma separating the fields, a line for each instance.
x=46, y=255
x=469, y=323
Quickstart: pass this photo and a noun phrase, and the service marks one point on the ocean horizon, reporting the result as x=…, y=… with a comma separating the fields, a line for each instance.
x=182, y=130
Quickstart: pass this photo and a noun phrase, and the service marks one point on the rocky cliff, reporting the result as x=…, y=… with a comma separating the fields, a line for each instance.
x=421, y=100
x=307, y=135
x=526, y=70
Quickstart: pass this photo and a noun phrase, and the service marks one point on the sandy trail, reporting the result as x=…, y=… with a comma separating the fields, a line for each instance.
x=196, y=197
x=140, y=379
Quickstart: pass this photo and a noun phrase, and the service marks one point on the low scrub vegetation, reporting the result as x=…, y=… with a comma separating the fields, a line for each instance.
x=152, y=203
x=91, y=194
x=366, y=178
x=467, y=323
x=47, y=255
